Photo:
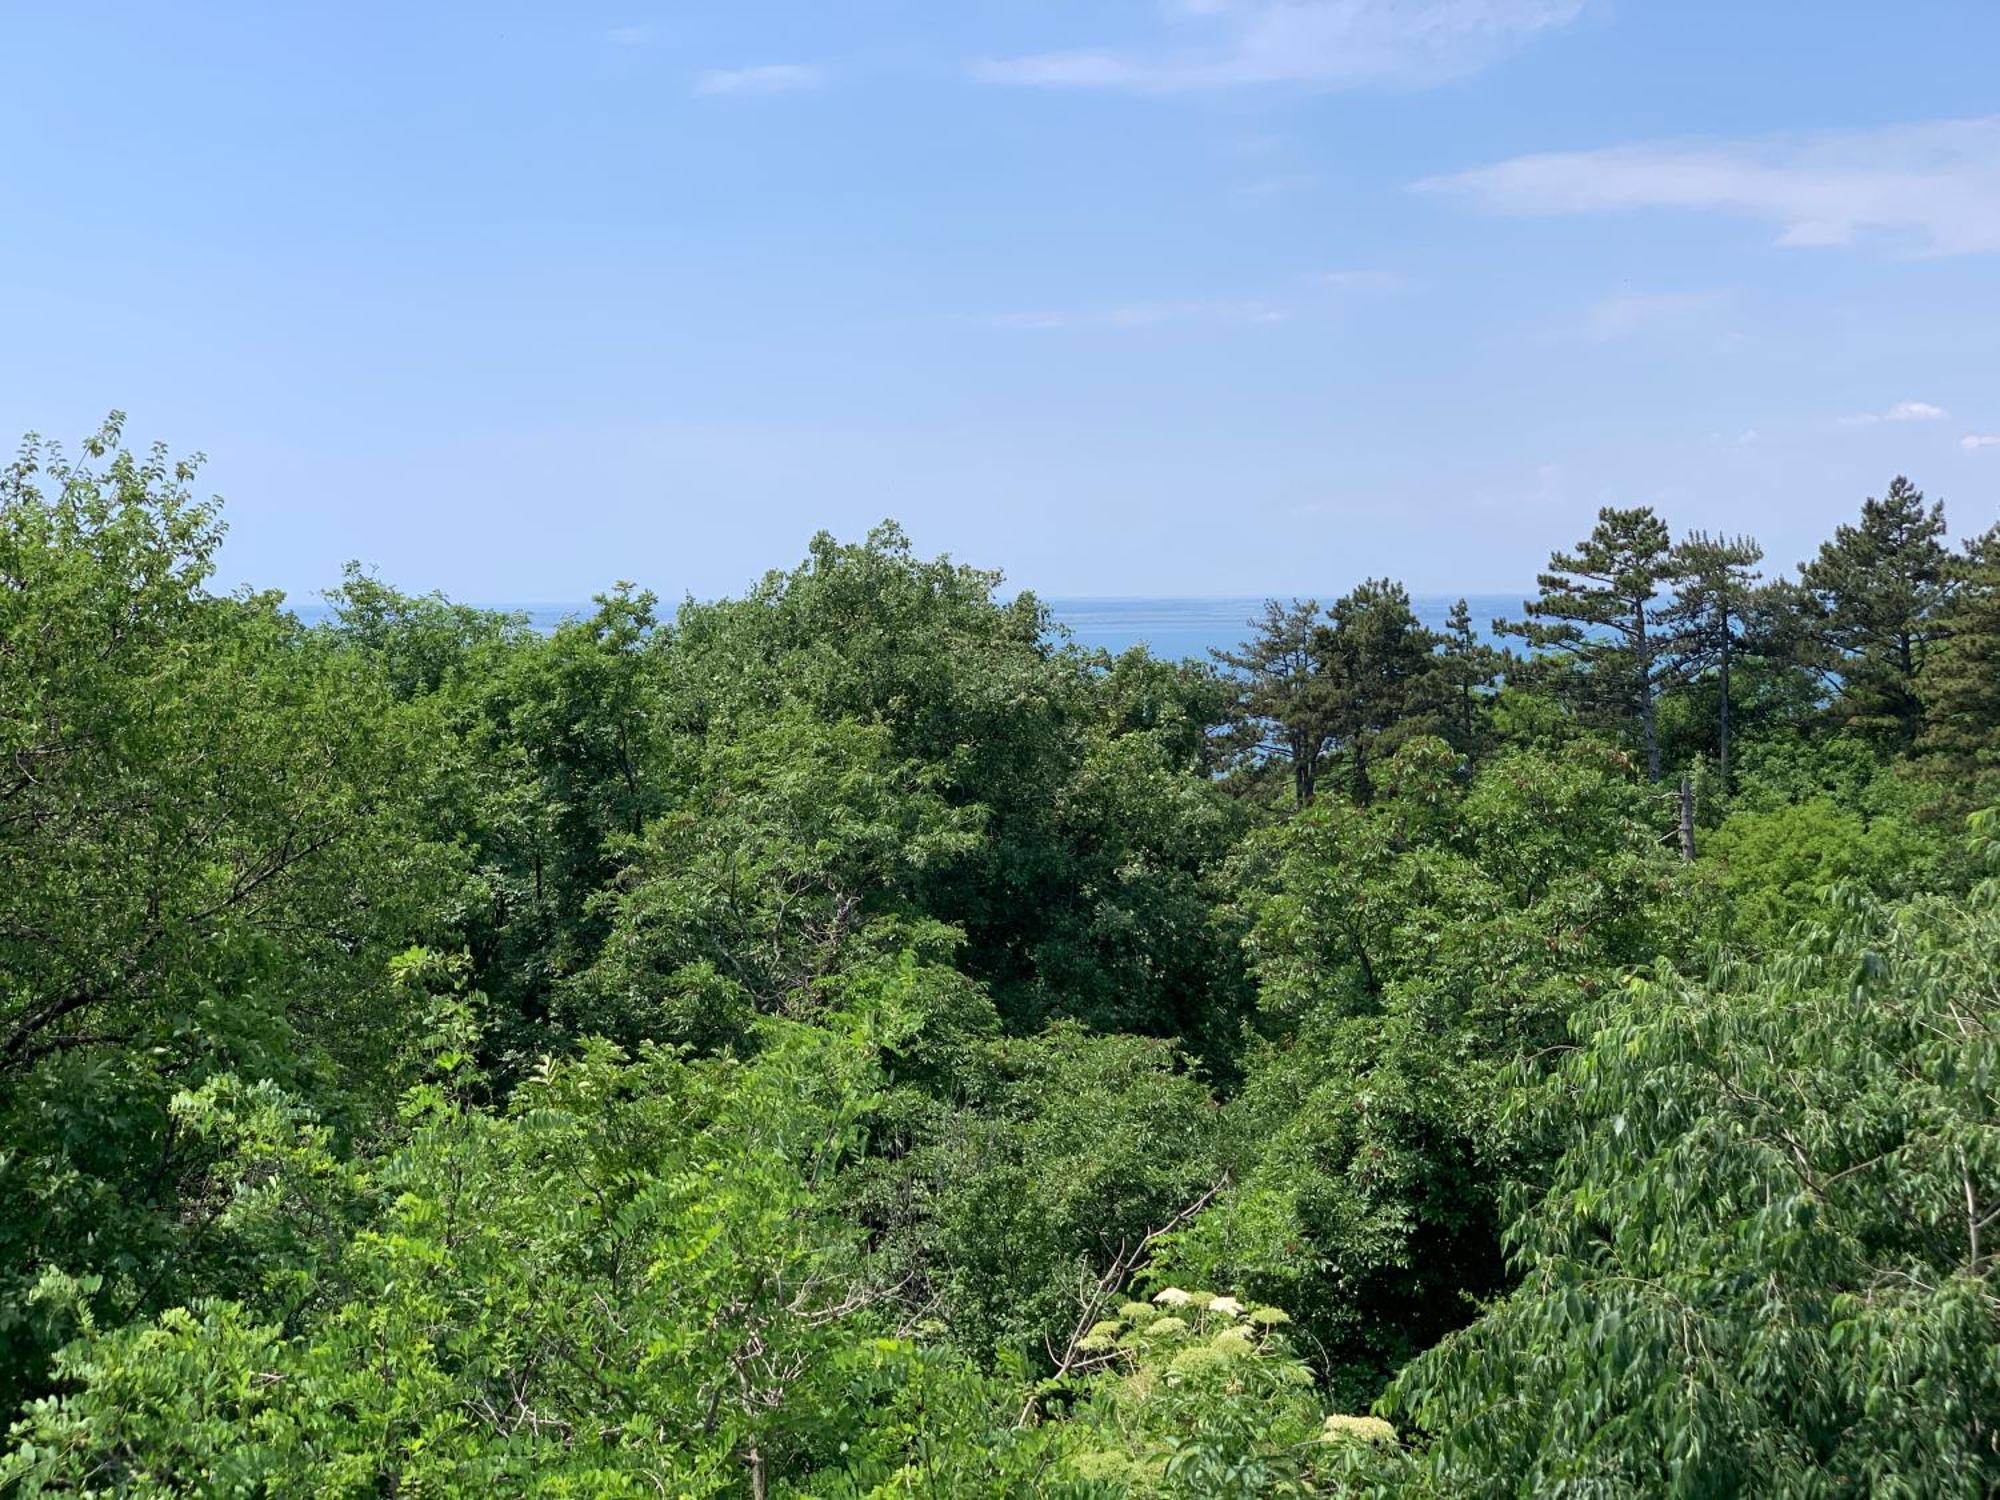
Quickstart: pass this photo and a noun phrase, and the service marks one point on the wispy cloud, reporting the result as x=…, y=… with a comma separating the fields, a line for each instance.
x=768, y=78
x=1913, y=411
x=1902, y=411
x=1936, y=185
x=1147, y=315
x=1321, y=43
x=631, y=36
x=1615, y=317
x=1972, y=442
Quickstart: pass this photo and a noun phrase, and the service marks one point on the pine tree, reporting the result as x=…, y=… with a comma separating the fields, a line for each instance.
x=1960, y=690
x=1467, y=667
x=1283, y=706
x=1877, y=593
x=1597, y=627
x=1382, y=676
x=1717, y=593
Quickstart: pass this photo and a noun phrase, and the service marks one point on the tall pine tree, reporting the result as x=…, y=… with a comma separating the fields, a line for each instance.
x=1382, y=675
x=1716, y=594
x=1602, y=645
x=1467, y=667
x=1877, y=595
x=1283, y=710
x=1960, y=689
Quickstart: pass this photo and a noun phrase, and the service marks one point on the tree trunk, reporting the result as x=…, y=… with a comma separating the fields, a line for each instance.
x=1725, y=703
x=1906, y=707
x=1687, y=819
x=1647, y=721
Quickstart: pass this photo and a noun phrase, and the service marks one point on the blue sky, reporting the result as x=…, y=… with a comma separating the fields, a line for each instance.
x=1167, y=296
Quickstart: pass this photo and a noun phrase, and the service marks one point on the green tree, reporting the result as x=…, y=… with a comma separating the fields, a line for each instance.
x=1103, y=831
x=628, y=1273
x=1467, y=668
x=561, y=748
x=1778, y=868
x=1715, y=595
x=1765, y=1261
x=1597, y=626
x=1410, y=956
x=640, y=1273
x=211, y=840
x=424, y=643
x=791, y=854
x=1960, y=690
x=1877, y=591
x=1382, y=679
x=1284, y=709
x=1057, y=1156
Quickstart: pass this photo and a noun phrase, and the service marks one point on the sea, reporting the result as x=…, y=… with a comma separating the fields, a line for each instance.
x=1168, y=627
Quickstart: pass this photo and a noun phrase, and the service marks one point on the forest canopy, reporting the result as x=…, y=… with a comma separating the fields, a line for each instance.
x=850, y=1040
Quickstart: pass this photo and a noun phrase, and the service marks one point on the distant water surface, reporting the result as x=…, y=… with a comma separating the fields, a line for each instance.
x=1167, y=626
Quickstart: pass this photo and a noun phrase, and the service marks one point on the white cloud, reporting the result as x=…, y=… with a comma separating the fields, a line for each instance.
x=1322, y=43
x=769, y=78
x=1936, y=184
x=1629, y=312
x=1902, y=411
x=1147, y=315
x=1913, y=411
x=630, y=36
x=1972, y=442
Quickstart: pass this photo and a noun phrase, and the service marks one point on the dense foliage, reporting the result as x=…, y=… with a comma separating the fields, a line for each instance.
x=849, y=1041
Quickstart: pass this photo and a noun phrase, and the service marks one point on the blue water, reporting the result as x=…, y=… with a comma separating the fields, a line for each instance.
x=1168, y=627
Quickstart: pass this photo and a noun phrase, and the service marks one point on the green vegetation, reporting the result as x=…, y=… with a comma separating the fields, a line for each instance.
x=847, y=1041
